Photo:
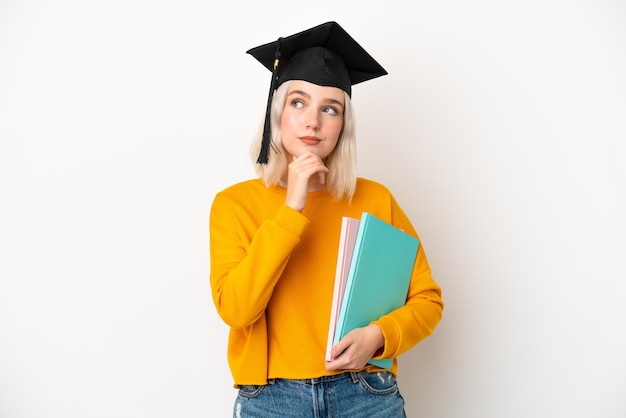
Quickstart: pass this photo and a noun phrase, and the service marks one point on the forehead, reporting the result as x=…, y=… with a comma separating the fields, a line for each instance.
x=316, y=91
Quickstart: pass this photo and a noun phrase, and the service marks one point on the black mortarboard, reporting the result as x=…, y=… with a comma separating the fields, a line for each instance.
x=325, y=55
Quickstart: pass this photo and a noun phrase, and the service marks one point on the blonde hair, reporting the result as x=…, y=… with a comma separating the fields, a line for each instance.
x=341, y=163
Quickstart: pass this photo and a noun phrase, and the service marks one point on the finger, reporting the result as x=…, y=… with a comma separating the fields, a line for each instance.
x=321, y=177
x=340, y=347
x=337, y=362
x=336, y=352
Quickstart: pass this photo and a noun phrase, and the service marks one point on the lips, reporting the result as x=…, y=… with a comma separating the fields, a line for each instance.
x=310, y=140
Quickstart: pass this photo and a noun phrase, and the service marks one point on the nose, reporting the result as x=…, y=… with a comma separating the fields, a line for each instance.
x=312, y=120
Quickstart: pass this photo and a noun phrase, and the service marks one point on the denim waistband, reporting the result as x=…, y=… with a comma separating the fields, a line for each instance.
x=322, y=379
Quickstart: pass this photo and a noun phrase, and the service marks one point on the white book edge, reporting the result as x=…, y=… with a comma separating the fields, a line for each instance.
x=347, y=238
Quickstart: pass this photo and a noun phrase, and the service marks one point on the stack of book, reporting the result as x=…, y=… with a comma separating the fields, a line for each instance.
x=374, y=267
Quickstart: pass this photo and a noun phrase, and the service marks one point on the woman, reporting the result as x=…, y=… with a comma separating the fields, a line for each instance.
x=274, y=244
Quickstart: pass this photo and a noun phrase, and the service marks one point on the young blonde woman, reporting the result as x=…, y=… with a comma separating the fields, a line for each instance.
x=274, y=241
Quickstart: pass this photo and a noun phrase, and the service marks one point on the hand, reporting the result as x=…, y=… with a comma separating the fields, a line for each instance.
x=301, y=172
x=356, y=348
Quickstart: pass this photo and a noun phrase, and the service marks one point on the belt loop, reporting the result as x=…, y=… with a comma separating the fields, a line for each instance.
x=271, y=381
x=355, y=377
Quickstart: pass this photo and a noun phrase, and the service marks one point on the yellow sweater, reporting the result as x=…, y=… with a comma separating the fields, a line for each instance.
x=272, y=278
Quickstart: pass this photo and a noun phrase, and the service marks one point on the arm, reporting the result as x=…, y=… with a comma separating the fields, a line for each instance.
x=245, y=263
x=405, y=327
x=400, y=330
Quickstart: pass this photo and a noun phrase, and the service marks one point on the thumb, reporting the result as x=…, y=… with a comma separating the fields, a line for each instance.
x=339, y=348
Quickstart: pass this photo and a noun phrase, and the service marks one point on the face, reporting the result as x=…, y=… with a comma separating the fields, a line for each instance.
x=312, y=119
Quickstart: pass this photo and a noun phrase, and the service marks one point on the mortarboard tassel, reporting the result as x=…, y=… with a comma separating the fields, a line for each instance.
x=267, y=133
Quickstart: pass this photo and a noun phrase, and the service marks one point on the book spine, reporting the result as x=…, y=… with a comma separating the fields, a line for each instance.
x=339, y=330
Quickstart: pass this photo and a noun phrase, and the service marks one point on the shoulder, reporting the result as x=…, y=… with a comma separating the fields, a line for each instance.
x=242, y=187
x=241, y=193
x=368, y=186
x=373, y=196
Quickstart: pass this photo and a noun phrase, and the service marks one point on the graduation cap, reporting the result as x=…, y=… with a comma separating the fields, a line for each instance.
x=325, y=55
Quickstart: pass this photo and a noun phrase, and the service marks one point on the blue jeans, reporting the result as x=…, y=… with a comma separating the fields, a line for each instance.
x=362, y=394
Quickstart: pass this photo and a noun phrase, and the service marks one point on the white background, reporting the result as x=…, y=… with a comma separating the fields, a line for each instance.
x=500, y=129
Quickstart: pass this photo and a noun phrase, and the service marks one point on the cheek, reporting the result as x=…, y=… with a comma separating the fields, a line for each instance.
x=334, y=129
x=288, y=121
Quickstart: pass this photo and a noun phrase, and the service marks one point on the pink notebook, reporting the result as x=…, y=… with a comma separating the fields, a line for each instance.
x=347, y=238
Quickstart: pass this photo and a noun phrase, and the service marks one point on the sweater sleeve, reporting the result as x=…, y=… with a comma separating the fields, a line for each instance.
x=405, y=327
x=246, y=261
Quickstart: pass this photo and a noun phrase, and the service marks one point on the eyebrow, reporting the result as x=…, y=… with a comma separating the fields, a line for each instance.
x=307, y=95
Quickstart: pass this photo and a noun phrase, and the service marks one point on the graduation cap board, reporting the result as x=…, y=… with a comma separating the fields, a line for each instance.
x=325, y=55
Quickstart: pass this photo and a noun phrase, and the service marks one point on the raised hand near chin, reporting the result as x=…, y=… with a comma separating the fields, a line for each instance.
x=305, y=172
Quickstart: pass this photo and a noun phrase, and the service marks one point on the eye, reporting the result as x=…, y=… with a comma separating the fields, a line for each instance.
x=330, y=110
x=297, y=103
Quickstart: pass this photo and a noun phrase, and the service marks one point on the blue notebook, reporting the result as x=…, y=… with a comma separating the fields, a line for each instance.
x=379, y=276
